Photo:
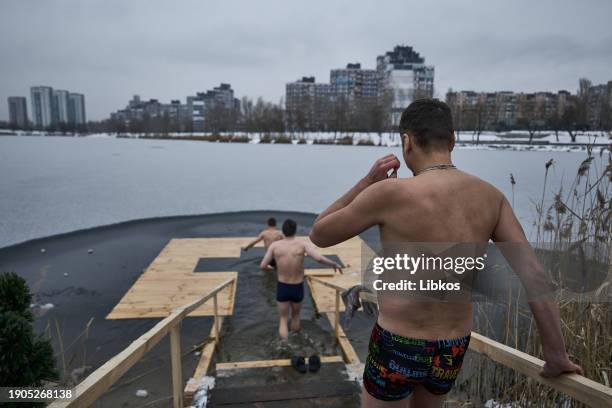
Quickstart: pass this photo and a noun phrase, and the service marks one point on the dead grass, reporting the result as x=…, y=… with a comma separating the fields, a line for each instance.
x=575, y=227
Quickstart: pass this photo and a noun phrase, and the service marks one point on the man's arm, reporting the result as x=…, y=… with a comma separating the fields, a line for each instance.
x=312, y=252
x=510, y=238
x=356, y=210
x=254, y=242
x=265, y=262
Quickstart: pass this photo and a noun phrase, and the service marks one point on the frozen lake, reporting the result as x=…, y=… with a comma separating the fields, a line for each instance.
x=50, y=185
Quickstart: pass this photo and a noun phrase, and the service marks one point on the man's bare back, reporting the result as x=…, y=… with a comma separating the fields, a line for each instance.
x=437, y=206
x=268, y=236
x=289, y=255
x=271, y=235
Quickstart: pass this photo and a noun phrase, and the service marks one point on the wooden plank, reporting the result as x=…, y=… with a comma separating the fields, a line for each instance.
x=269, y=363
x=350, y=355
x=177, y=375
x=203, y=364
x=282, y=392
x=157, y=298
x=581, y=388
x=207, y=354
x=337, y=314
x=90, y=389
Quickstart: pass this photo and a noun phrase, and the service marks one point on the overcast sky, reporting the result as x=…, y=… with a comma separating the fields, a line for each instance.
x=110, y=50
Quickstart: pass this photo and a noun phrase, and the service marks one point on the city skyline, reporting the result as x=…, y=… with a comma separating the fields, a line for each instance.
x=164, y=52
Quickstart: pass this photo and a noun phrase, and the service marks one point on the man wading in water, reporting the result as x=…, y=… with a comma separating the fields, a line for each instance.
x=268, y=236
x=289, y=254
x=416, y=349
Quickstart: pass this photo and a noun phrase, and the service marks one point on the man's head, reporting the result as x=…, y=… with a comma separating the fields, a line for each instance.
x=426, y=128
x=289, y=228
x=271, y=222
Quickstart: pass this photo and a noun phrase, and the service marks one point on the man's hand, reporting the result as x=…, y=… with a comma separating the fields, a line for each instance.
x=246, y=248
x=555, y=368
x=380, y=169
x=337, y=268
x=267, y=268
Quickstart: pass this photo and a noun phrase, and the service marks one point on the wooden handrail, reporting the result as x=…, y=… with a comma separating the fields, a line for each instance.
x=577, y=386
x=92, y=387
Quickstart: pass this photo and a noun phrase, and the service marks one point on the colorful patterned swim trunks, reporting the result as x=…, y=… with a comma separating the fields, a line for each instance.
x=396, y=364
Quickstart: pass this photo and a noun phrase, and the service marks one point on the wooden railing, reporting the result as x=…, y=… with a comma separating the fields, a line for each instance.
x=105, y=376
x=577, y=386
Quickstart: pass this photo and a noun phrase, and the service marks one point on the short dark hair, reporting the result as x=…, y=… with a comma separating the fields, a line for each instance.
x=289, y=227
x=272, y=222
x=430, y=122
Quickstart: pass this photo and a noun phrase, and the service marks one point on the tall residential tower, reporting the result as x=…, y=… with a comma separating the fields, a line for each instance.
x=18, y=111
x=41, y=98
x=404, y=74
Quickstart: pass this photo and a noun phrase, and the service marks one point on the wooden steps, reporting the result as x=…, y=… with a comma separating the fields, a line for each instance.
x=313, y=393
x=269, y=363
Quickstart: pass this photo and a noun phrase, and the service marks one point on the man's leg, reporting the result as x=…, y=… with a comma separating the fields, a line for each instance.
x=283, y=317
x=419, y=398
x=368, y=401
x=295, y=316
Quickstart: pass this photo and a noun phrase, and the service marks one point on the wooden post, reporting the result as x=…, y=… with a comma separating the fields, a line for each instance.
x=216, y=322
x=337, y=314
x=177, y=374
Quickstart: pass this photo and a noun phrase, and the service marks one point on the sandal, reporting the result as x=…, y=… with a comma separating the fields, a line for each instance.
x=299, y=364
x=314, y=363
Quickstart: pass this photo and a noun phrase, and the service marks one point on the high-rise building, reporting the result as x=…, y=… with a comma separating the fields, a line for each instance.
x=76, y=109
x=598, y=100
x=307, y=104
x=196, y=110
x=41, y=98
x=505, y=109
x=404, y=74
x=209, y=108
x=60, y=106
x=18, y=111
x=353, y=82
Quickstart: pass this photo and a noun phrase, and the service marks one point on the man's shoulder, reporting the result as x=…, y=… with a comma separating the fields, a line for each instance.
x=385, y=187
x=483, y=184
x=388, y=191
x=268, y=232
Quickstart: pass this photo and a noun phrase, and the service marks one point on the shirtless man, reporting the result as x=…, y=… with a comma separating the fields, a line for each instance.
x=268, y=236
x=440, y=204
x=289, y=255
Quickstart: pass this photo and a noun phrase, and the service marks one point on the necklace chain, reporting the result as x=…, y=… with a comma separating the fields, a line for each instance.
x=437, y=167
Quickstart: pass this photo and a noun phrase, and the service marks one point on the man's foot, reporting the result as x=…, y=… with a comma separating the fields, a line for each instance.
x=314, y=363
x=299, y=364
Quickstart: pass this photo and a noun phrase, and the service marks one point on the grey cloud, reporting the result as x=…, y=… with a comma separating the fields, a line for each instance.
x=170, y=49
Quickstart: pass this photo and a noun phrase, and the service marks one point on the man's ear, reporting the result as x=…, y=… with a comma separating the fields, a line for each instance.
x=406, y=143
x=451, y=144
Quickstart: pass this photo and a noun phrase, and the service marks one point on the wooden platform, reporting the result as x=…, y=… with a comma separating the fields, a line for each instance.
x=170, y=280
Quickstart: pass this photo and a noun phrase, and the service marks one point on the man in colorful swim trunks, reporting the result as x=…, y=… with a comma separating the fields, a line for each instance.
x=268, y=236
x=416, y=349
x=289, y=255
